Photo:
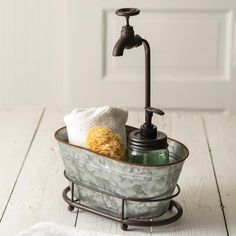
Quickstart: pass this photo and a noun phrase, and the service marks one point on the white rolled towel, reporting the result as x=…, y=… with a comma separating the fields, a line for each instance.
x=80, y=121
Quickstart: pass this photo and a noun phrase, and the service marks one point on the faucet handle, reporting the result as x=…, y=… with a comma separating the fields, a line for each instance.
x=127, y=12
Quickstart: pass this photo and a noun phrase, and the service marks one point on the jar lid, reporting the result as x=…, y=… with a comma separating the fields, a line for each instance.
x=137, y=142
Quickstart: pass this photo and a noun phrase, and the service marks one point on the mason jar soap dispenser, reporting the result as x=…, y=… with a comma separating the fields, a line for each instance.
x=146, y=145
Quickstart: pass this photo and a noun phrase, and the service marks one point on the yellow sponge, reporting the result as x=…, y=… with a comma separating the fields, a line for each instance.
x=104, y=141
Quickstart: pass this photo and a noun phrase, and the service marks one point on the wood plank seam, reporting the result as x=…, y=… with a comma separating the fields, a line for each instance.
x=76, y=218
x=215, y=175
x=22, y=165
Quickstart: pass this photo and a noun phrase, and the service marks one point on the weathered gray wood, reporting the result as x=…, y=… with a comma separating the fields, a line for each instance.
x=221, y=131
x=17, y=127
x=38, y=193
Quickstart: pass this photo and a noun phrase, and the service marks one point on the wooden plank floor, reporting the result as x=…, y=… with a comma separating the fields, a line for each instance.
x=31, y=174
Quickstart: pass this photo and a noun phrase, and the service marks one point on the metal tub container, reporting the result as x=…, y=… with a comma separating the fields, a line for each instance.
x=122, y=178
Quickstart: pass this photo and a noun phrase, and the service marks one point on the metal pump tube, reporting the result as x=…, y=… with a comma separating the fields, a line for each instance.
x=148, y=115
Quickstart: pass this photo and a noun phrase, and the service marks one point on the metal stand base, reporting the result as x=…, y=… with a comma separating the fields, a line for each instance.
x=120, y=218
x=125, y=222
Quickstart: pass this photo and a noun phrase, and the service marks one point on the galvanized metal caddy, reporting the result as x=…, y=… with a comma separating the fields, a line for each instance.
x=125, y=192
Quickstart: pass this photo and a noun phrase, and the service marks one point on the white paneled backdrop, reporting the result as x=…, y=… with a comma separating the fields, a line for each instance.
x=57, y=53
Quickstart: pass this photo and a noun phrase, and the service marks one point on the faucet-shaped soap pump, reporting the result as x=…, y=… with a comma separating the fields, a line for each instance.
x=127, y=39
x=147, y=138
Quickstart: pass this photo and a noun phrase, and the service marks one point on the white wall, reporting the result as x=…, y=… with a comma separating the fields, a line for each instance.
x=32, y=46
x=57, y=53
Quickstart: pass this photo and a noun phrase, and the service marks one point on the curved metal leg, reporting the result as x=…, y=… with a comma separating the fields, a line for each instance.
x=171, y=206
x=70, y=208
x=124, y=227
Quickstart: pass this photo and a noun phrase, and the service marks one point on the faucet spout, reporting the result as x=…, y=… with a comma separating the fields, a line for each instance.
x=119, y=47
x=127, y=40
